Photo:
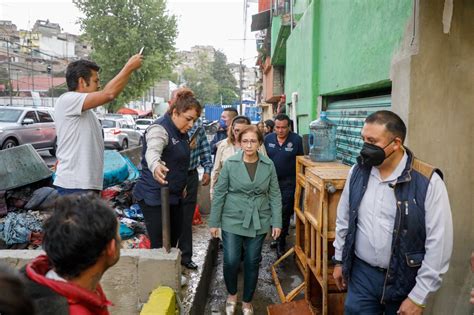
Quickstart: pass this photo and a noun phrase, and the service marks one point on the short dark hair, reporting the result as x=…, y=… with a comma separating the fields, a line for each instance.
x=232, y=110
x=77, y=233
x=270, y=124
x=392, y=122
x=248, y=129
x=185, y=100
x=282, y=117
x=14, y=299
x=79, y=69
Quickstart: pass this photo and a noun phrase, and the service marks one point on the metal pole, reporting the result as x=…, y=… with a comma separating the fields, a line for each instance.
x=32, y=68
x=291, y=16
x=165, y=218
x=52, y=82
x=9, y=71
x=241, y=87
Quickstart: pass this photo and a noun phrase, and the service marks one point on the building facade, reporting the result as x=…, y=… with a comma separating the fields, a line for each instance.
x=413, y=57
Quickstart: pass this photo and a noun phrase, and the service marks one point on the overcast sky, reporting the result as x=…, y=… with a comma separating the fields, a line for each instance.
x=219, y=23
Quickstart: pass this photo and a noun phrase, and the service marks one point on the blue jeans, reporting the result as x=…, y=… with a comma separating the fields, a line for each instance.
x=365, y=290
x=68, y=191
x=233, y=245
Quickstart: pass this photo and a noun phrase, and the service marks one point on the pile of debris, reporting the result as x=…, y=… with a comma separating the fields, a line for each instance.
x=27, y=198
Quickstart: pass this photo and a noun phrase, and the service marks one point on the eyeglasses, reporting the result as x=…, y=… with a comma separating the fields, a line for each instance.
x=251, y=141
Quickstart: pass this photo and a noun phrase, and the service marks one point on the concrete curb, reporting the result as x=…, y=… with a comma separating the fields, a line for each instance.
x=198, y=304
x=129, y=283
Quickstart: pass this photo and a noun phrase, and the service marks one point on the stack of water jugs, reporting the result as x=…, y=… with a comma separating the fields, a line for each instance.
x=322, y=139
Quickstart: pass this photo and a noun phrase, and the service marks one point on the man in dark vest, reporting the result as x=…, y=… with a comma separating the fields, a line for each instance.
x=394, y=232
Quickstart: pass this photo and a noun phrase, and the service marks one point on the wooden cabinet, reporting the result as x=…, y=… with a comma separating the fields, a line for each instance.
x=323, y=190
x=303, y=164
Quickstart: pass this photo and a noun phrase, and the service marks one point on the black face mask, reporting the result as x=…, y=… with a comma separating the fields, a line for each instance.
x=372, y=155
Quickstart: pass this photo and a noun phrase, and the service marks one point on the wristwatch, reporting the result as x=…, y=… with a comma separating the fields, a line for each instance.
x=335, y=261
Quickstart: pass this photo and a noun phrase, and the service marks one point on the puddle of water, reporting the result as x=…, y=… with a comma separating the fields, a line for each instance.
x=266, y=293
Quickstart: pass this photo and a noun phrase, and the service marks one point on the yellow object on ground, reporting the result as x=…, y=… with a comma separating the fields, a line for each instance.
x=162, y=301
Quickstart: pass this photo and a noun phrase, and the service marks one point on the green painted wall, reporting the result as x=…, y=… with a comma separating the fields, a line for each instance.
x=276, y=25
x=341, y=47
x=300, y=72
x=299, y=7
x=357, y=40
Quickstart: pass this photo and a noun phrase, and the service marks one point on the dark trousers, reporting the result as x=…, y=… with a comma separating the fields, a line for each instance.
x=154, y=227
x=287, y=189
x=365, y=290
x=71, y=191
x=189, y=205
x=233, y=245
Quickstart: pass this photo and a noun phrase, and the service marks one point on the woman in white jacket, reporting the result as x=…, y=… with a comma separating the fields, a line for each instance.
x=228, y=147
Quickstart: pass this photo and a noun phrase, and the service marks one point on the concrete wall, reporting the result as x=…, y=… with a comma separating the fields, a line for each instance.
x=434, y=94
x=129, y=283
x=340, y=47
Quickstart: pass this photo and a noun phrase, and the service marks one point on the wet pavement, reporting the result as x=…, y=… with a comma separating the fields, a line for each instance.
x=197, y=281
x=266, y=293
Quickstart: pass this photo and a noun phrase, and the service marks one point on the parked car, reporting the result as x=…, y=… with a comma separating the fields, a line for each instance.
x=22, y=125
x=118, y=134
x=143, y=123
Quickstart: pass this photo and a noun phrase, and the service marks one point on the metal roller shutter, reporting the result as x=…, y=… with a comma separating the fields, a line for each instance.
x=349, y=115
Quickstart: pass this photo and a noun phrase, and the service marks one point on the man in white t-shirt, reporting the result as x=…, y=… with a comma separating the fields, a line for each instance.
x=80, y=150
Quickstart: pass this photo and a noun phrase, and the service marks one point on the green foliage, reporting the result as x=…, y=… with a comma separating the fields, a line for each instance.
x=117, y=29
x=211, y=80
x=227, y=83
x=200, y=80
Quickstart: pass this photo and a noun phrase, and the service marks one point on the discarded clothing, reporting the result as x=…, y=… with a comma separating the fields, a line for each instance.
x=17, y=227
x=3, y=204
x=137, y=227
x=42, y=198
x=140, y=241
x=134, y=212
x=125, y=231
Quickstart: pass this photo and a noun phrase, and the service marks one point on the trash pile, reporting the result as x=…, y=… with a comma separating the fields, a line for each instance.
x=23, y=211
x=132, y=225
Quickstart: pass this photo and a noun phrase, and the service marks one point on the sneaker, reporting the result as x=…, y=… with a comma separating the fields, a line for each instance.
x=247, y=311
x=230, y=307
x=184, y=281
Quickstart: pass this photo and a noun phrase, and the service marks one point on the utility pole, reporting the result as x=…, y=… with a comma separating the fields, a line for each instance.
x=32, y=67
x=9, y=72
x=240, y=86
x=52, y=81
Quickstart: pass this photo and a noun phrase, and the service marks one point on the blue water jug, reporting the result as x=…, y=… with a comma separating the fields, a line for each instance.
x=322, y=139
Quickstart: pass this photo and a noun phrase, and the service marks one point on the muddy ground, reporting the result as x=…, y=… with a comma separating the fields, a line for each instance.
x=266, y=293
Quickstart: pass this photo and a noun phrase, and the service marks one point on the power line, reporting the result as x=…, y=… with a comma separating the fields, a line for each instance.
x=35, y=50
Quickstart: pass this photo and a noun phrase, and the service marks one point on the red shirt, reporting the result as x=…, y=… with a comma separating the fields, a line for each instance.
x=80, y=300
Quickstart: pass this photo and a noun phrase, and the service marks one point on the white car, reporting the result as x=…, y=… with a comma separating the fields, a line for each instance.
x=120, y=135
x=143, y=123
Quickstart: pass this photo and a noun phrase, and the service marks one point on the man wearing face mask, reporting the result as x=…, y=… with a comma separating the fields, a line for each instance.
x=394, y=231
x=226, y=119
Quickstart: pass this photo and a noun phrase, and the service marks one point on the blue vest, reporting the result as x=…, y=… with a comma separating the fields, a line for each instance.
x=409, y=232
x=176, y=155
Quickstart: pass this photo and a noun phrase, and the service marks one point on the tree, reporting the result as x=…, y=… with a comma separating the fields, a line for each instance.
x=200, y=80
x=117, y=29
x=5, y=81
x=227, y=90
